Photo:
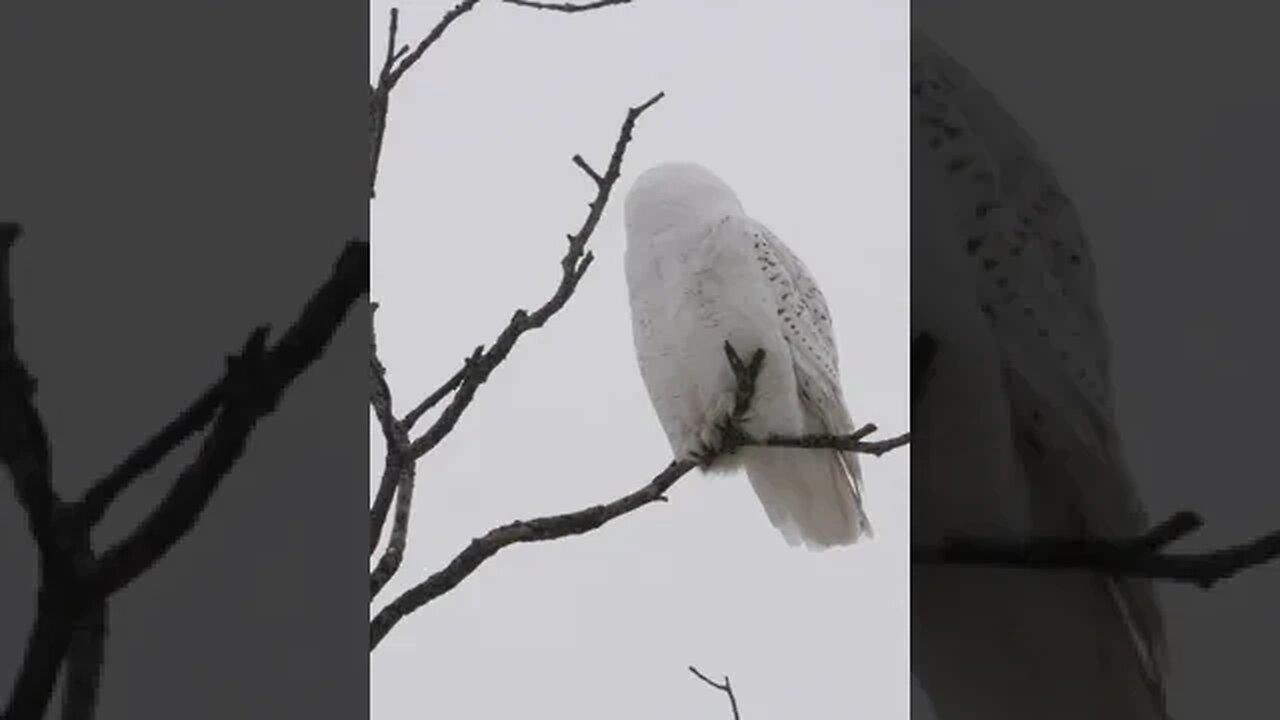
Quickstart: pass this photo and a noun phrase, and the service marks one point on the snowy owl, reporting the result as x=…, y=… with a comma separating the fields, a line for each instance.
x=1014, y=434
x=700, y=273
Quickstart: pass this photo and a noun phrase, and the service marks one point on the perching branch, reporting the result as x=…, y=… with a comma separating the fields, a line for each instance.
x=723, y=687
x=583, y=521
x=1144, y=556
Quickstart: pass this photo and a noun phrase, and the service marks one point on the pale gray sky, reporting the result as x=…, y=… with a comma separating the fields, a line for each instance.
x=1161, y=122
x=802, y=109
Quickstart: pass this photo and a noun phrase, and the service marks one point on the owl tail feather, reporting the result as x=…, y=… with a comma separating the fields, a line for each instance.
x=812, y=496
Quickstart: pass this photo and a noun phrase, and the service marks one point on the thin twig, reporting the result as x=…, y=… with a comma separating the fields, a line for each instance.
x=724, y=687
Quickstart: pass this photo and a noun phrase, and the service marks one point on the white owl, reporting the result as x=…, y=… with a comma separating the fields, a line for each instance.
x=1015, y=434
x=701, y=272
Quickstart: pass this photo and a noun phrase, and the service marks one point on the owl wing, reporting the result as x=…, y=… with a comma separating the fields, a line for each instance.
x=806, y=327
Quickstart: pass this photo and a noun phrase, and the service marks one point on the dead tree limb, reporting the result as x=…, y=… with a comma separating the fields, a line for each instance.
x=76, y=582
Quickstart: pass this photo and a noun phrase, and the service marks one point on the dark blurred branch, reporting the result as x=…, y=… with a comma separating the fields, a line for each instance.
x=723, y=687
x=254, y=383
x=93, y=506
x=25, y=453
x=84, y=664
x=75, y=583
x=583, y=521
x=924, y=351
x=24, y=447
x=1144, y=556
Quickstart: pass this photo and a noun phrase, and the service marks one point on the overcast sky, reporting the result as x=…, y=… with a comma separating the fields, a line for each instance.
x=1152, y=116
x=802, y=108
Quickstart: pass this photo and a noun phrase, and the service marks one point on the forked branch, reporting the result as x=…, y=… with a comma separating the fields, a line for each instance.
x=724, y=687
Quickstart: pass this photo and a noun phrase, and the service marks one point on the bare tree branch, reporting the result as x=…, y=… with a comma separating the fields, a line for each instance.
x=84, y=664
x=75, y=583
x=1138, y=557
x=46, y=647
x=254, y=383
x=723, y=687
x=93, y=506
x=24, y=450
x=24, y=446
x=411, y=418
x=567, y=7
x=582, y=521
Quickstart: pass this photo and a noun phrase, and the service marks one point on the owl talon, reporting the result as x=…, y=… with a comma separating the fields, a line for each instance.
x=704, y=455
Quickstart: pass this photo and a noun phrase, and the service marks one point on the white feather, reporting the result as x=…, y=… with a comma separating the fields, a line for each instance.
x=701, y=272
